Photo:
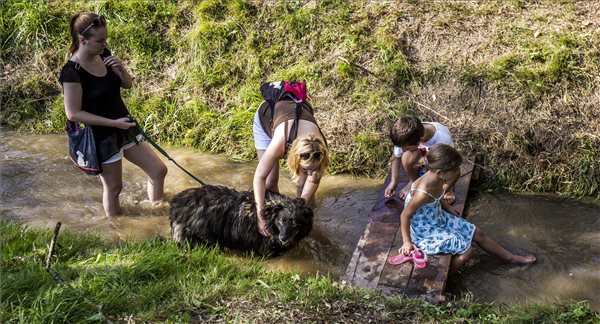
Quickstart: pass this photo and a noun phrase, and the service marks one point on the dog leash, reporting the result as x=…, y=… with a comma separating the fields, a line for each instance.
x=158, y=148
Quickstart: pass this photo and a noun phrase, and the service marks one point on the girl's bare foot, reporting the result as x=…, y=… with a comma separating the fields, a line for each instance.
x=522, y=259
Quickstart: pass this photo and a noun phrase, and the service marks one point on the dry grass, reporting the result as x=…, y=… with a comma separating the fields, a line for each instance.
x=515, y=80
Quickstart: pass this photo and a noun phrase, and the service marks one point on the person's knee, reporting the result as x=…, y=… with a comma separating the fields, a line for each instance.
x=114, y=189
x=478, y=235
x=157, y=172
x=469, y=253
x=161, y=171
x=410, y=160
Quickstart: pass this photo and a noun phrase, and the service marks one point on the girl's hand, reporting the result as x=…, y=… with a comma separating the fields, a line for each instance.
x=454, y=211
x=451, y=209
x=114, y=61
x=123, y=123
x=262, y=224
x=407, y=247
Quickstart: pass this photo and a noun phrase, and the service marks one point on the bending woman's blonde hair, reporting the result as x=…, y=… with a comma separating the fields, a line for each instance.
x=307, y=145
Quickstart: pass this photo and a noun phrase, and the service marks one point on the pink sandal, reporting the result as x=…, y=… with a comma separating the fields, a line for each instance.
x=399, y=259
x=418, y=257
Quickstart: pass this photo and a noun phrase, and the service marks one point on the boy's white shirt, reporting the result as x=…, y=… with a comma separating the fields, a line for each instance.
x=441, y=135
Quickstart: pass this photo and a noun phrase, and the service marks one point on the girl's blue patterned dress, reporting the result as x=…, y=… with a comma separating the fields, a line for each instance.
x=435, y=230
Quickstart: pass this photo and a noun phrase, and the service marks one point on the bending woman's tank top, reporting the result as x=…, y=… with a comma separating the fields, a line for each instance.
x=284, y=110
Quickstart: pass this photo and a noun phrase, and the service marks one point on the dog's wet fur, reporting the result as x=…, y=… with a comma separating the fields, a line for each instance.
x=227, y=217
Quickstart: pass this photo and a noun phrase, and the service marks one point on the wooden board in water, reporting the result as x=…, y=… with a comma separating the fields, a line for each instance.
x=382, y=238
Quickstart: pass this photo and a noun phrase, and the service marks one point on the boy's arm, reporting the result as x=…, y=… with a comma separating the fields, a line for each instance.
x=391, y=188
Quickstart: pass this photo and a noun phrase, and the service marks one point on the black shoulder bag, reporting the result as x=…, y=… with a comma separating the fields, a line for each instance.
x=82, y=148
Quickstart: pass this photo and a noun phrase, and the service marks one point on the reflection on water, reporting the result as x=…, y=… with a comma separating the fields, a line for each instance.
x=39, y=186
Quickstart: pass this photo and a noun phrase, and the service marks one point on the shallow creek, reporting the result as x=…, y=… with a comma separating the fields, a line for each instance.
x=40, y=187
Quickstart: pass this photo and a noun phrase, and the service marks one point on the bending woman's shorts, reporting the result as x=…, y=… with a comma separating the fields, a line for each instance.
x=261, y=139
x=119, y=155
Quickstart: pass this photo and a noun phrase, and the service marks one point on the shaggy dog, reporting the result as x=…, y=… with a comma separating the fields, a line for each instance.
x=217, y=214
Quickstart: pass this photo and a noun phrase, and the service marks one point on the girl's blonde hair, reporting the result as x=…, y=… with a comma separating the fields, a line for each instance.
x=307, y=144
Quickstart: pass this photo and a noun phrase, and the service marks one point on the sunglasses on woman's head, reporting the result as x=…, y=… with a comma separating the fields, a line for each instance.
x=312, y=155
x=97, y=22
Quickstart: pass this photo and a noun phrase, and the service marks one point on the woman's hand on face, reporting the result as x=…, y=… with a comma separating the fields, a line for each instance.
x=124, y=123
x=114, y=61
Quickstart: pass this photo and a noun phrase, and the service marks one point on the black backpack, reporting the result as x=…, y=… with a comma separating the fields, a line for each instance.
x=274, y=91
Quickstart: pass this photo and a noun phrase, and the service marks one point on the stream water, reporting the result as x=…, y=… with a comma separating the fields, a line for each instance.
x=39, y=186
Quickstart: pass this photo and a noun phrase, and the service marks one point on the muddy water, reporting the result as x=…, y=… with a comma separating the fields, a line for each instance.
x=39, y=187
x=564, y=235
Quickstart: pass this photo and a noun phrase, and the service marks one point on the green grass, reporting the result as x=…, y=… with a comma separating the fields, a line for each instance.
x=155, y=281
x=197, y=67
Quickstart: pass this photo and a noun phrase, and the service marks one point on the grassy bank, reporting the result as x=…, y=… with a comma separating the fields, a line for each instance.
x=515, y=80
x=154, y=281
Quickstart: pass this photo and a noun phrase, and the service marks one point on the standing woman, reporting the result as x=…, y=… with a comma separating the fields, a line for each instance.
x=92, y=81
x=307, y=156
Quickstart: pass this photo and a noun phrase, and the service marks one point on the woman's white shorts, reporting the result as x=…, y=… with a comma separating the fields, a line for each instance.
x=261, y=139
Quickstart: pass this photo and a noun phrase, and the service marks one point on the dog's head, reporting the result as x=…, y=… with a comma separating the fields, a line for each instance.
x=289, y=221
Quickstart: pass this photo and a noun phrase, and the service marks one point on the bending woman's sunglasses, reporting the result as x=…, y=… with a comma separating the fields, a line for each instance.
x=317, y=155
x=97, y=22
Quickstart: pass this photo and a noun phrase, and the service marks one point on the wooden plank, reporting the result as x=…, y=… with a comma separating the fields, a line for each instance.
x=370, y=255
x=429, y=283
x=374, y=253
x=394, y=278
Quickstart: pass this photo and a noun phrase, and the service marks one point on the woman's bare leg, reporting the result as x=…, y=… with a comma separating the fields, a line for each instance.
x=144, y=157
x=112, y=184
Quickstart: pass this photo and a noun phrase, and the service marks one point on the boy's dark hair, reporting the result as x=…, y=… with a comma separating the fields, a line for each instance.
x=443, y=157
x=407, y=130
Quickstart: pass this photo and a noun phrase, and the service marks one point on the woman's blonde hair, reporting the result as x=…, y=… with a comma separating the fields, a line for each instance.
x=307, y=144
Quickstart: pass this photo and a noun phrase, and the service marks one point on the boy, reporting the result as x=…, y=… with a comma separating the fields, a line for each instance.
x=411, y=140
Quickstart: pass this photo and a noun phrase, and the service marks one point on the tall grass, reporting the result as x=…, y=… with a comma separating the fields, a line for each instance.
x=499, y=74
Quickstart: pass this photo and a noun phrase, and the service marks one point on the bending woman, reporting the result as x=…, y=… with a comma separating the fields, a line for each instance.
x=307, y=156
x=91, y=80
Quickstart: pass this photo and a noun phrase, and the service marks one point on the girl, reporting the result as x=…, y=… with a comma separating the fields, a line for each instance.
x=429, y=222
x=308, y=156
x=91, y=81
